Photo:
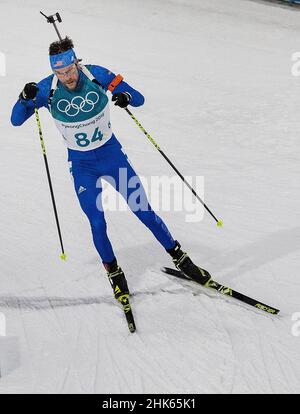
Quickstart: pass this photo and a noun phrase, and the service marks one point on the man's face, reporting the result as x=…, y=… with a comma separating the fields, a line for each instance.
x=68, y=76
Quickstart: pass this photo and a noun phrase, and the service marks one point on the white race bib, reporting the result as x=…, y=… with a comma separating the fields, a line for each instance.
x=86, y=135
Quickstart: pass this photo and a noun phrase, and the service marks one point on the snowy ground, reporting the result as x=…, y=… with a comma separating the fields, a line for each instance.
x=222, y=103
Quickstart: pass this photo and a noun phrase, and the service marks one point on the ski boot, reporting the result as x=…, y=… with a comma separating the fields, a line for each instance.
x=118, y=281
x=120, y=288
x=183, y=262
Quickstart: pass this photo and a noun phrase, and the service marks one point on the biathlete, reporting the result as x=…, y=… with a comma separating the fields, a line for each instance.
x=76, y=96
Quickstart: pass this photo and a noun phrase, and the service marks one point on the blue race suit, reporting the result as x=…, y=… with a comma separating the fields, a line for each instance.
x=82, y=117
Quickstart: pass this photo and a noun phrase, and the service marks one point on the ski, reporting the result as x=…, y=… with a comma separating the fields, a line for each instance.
x=224, y=290
x=124, y=300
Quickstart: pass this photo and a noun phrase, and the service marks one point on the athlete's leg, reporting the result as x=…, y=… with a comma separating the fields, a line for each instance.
x=127, y=182
x=89, y=196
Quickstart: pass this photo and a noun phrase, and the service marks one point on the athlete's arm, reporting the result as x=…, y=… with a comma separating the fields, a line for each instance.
x=109, y=81
x=23, y=109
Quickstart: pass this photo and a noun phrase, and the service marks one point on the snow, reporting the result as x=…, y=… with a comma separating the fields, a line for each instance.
x=222, y=103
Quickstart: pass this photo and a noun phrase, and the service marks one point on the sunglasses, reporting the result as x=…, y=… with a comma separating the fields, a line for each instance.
x=67, y=73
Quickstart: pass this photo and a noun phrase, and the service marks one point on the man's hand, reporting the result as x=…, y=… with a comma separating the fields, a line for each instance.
x=121, y=99
x=29, y=92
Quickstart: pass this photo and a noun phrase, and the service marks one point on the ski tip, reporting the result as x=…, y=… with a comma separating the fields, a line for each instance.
x=131, y=328
x=219, y=223
x=163, y=269
x=63, y=256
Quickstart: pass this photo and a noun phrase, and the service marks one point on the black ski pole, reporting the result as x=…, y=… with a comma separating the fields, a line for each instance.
x=51, y=19
x=219, y=222
x=63, y=255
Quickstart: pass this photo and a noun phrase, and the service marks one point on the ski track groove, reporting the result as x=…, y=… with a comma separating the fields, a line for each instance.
x=76, y=345
x=96, y=372
x=214, y=295
x=217, y=319
x=125, y=373
x=64, y=379
x=141, y=353
x=287, y=363
x=261, y=346
x=233, y=358
x=287, y=379
x=154, y=362
x=115, y=372
x=176, y=364
x=180, y=292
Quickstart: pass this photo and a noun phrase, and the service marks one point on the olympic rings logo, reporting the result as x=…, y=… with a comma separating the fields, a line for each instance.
x=78, y=103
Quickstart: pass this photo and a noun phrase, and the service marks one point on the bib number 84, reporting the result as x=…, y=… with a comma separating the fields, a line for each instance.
x=82, y=138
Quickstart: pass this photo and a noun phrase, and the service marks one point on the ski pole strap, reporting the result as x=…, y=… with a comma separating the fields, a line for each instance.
x=115, y=82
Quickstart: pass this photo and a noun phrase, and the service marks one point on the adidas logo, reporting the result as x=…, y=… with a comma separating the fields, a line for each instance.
x=81, y=189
